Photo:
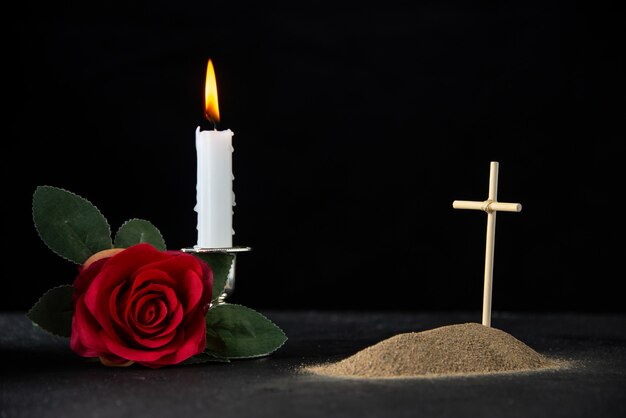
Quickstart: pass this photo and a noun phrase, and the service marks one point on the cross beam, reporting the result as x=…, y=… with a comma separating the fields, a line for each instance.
x=491, y=206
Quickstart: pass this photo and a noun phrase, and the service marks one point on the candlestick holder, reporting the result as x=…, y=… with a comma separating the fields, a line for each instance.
x=230, y=279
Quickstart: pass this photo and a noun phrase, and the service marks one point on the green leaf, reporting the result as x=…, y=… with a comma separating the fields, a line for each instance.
x=69, y=225
x=54, y=310
x=136, y=231
x=204, y=358
x=221, y=264
x=242, y=333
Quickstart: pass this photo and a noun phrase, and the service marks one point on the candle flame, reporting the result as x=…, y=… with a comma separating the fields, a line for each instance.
x=211, y=108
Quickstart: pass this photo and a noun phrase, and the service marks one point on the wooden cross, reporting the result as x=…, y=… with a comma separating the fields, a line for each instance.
x=491, y=206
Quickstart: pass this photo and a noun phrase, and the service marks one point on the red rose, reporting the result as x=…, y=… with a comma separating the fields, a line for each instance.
x=141, y=305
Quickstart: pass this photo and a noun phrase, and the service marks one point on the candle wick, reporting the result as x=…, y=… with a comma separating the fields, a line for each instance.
x=214, y=125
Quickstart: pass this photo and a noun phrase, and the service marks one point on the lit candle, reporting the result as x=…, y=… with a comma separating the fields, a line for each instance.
x=215, y=197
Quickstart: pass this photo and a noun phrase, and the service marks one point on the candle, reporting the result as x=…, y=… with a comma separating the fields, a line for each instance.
x=215, y=197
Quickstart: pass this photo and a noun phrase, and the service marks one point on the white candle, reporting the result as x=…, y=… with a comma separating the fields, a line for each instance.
x=214, y=188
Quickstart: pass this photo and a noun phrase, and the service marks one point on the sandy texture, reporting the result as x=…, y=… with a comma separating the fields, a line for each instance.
x=468, y=348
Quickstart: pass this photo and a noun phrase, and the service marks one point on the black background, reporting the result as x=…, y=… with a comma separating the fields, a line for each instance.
x=355, y=129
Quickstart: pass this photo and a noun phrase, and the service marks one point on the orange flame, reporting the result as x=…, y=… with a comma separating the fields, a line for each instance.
x=211, y=108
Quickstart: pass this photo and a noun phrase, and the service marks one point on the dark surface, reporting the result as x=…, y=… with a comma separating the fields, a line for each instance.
x=41, y=377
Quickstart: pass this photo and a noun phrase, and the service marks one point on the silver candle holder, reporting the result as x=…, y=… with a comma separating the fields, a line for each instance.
x=230, y=279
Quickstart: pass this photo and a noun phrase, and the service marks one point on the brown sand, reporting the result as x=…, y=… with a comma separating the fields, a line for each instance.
x=450, y=350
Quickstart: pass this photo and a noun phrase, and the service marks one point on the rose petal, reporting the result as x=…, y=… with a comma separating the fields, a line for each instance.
x=175, y=320
x=141, y=354
x=174, y=308
x=190, y=290
x=85, y=277
x=84, y=339
x=168, y=295
x=175, y=264
x=114, y=303
x=155, y=342
x=116, y=270
x=101, y=255
x=99, y=294
x=194, y=342
x=160, y=314
x=178, y=267
x=151, y=275
x=135, y=257
x=150, y=312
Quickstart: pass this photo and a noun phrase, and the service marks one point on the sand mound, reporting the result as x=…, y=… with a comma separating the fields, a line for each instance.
x=455, y=349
